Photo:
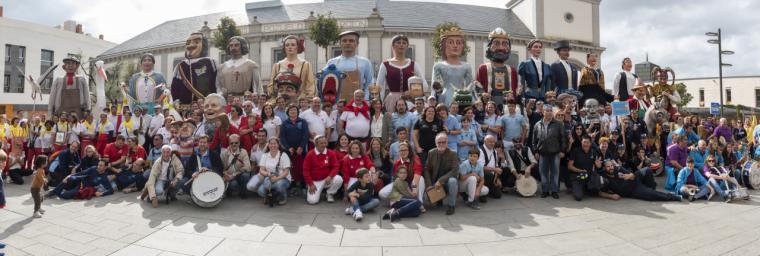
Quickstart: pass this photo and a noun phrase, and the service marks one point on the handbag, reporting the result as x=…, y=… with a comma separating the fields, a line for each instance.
x=435, y=194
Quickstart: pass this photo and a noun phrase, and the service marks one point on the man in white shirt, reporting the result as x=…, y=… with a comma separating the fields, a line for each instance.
x=625, y=81
x=354, y=121
x=156, y=122
x=319, y=121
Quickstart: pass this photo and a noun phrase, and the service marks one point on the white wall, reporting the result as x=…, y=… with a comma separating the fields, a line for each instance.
x=36, y=38
x=555, y=26
x=526, y=11
x=742, y=90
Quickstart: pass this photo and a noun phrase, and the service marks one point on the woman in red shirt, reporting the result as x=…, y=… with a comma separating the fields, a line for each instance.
x=342, y=149
x=222, y=133
x=353, y=161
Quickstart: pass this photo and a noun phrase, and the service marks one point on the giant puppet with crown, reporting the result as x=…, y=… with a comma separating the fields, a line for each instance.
x=496, y=77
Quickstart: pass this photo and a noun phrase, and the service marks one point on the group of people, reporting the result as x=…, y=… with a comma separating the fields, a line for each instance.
x=409, y=144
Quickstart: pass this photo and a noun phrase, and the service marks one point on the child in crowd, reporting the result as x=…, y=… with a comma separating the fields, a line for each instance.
x=471, y=181
x=360, y=195
x=37, y=183
x=403, y=201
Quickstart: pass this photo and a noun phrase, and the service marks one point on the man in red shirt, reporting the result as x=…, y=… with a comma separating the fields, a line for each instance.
x=117, y=152
x=320, y=170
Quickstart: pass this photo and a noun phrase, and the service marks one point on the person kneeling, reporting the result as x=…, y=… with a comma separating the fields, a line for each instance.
x=471, y=181
x=621, y=183
x=360, y=195
x=402, y=198
x=164, y=177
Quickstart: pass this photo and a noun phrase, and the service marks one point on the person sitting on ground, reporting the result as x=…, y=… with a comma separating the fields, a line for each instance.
x=360, y=195
x=471, y=182
x=690, y=182
x=719, y=182
x=402, y=201
x=132, y=179
x=93, y=179
x=274, y=170
x=621, y=183
x=442, y=169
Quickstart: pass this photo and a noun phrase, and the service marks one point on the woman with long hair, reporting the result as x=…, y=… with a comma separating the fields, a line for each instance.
x=410, y=161
x=425, y=130
x=89, y=158
x=274, y=167
x=341, y=149
x=353, y=161
x=270, y=121
x=380, y=159
x=380, y=122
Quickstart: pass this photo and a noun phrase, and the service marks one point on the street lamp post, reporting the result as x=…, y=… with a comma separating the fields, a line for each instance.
x=721, y=52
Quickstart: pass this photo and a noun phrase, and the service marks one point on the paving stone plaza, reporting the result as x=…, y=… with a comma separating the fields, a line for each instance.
x=122, y=225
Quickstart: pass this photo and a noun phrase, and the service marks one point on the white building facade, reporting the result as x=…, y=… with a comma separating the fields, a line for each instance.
x=29, y=49
x=265, y=23
x=737, y=90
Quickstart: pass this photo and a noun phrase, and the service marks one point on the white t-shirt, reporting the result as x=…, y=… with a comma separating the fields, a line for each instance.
x=317, y=122
x=164, y=170
x=357, y=125
x=376, y=127
x=269, y=163
x=256, y=153
x=272, y=125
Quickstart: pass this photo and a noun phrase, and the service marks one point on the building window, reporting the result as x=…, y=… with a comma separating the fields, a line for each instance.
x=728, y=96
x=701, y=95
x=7, y=53
x=19, y=85
x=757, y=97
x=569, y=17
x=277, y=54
x=410, y=52
x=46, y=61
x=7, y=83
x=21, y=54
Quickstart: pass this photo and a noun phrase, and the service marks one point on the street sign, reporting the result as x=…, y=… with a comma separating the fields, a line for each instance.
x=620, y=108
x=714, y=108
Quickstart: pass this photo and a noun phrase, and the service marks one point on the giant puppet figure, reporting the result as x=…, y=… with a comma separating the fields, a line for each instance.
x=564, y=75
x=142, y=85
x=288, y=84
x=194, y=77
x=497, y=78
x=238, y=74
x=665, y=94
x=358, y=69
x=535, y=74
x=70, y=93
x=292, y=46
x=394, y=73
x=452, y=73
x=592, y=82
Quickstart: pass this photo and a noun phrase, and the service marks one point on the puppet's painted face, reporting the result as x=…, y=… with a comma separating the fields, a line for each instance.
x=235, y=48
x=454, y=46
x=291, y=46
x=212, y=108
x=70, y=66
x=194, y=46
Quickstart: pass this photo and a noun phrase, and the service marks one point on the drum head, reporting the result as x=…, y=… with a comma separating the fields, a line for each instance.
x=754, y=176
x=526, y=186
x=208, y=189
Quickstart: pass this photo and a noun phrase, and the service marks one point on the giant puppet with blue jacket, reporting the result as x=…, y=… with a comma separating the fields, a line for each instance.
x=535, y=74
x=142, y=85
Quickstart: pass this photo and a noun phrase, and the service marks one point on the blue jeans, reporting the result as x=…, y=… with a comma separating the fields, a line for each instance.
x=279, y=187
x=161, y=187
x=407, y=207
x=548, y=166
x=2, y=192
x=125, y=179
x=452, y=189
x=239, y=182
x=719, y=186
x=367, y=206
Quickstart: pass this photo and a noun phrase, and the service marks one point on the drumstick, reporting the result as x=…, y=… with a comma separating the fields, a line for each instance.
x=190, y=180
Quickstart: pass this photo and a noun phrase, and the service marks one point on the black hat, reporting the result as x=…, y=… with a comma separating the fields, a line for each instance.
x=562, y=44
x=349, y=32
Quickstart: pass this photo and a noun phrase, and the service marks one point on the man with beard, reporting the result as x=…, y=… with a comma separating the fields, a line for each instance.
x=535, y=74
x=194, y=77
x=239, y=74
x=358, y=69
x=71, y=93
x=496, y=78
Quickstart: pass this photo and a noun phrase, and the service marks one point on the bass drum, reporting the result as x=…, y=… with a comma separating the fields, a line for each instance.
x=207, y=190
x=526, y=186
x=750, y=175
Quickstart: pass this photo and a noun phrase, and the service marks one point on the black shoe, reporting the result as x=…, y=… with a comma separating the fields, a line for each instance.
x=450, y=211
x=483, y=199
x=243, y=195
x=395, y=216
x=464, y=196
x=439, y=204
x=544, y=195
x=555, y=195
x=473, y=205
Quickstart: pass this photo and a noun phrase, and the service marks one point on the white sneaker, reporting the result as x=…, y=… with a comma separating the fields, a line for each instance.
x=330, y=198
x=37, y=215
x=349, y=210
x=358, y=215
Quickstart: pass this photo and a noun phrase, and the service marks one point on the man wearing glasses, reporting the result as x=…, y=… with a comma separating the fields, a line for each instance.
x=443, y=168
x=237, y=166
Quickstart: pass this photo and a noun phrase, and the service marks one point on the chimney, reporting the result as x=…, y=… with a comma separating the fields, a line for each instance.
x=100, y=36
x=79, y=29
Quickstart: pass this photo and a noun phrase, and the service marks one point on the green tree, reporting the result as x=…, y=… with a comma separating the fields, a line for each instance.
x=324, y=32
x=685, y=96
x=436, y=40
x=224, y=31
